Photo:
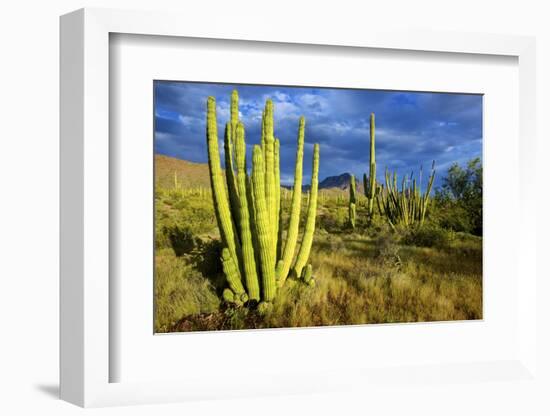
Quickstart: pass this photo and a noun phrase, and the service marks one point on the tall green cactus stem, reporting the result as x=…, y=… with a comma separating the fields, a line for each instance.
x=307, y=239
x=249, y=261
x=229, y=138
x=426, y=198
x=296, y=204
x=263, y=226
x=366, y=186
x=370, y=191
x=269, y=161
x=219, y=195
x=352, y=201
x=263, y=133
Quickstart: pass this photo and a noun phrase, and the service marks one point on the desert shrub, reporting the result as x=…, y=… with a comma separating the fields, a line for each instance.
x=206, y=259
x=452, y=215
x=341, y=216
x=386, y=247
x=328, y=222
x=182, y=239
x=460, y=198
x=430, y=235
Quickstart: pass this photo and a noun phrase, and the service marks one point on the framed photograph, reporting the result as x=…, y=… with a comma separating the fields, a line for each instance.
x=286, y=213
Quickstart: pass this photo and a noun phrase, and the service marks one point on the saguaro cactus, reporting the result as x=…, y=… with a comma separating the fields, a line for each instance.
x=352, y=201
x=248, y=208
x=370, y=187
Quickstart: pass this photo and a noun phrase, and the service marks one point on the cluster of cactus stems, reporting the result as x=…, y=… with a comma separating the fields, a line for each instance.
x=248, y=209
x=352, y=201
x=406, y=206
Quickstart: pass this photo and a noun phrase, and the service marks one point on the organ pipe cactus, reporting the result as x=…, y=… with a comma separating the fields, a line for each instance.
x=248, y=209
x=352, y=201
x=406, y=206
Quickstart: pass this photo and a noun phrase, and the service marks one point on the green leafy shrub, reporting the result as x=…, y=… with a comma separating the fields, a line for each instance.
x=452, y=216
x=430, y=235
x=460, y=199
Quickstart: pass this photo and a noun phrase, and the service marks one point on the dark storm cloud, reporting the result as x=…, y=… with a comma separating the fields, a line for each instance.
x=412, y=129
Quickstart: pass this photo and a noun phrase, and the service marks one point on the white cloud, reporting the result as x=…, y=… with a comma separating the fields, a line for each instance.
x=317, y=104
x=188, y=120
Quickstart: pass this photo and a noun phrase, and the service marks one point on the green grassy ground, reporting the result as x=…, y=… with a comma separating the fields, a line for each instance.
x=370, y=275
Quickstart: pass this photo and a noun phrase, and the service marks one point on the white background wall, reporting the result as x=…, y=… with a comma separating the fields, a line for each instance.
x=29, y=57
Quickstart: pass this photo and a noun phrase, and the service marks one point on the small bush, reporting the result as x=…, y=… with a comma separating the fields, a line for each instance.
x=451, y=215
x=387, y=248
x=182, y=240
x=207, y=260
x=430, y=235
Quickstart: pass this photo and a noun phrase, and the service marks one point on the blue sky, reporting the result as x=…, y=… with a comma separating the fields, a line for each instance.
x=412, y=128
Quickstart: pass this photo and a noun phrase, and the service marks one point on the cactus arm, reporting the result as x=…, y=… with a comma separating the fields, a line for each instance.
x=307, y=239
x=228, y=295
x=294, y=223
x=263, y=133
x=219, y=195
x=230, y=172
x=277, y=185
x=263, y=227
x=249, y=261
x=269, y=162
x=352, y=201
x=234, y=111
x=307, y=274
x=426, y=198
x=231, y=271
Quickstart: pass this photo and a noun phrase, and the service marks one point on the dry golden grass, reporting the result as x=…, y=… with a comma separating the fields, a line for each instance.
x=354, y=285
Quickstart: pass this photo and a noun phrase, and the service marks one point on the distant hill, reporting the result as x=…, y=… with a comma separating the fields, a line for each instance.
x=340, y=182
x=190, y=174
x=194, y=175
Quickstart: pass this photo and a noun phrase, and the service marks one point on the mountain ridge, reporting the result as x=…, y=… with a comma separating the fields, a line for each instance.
x=193, y=174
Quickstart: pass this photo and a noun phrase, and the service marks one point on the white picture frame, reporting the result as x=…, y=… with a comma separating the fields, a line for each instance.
x=86, y=356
